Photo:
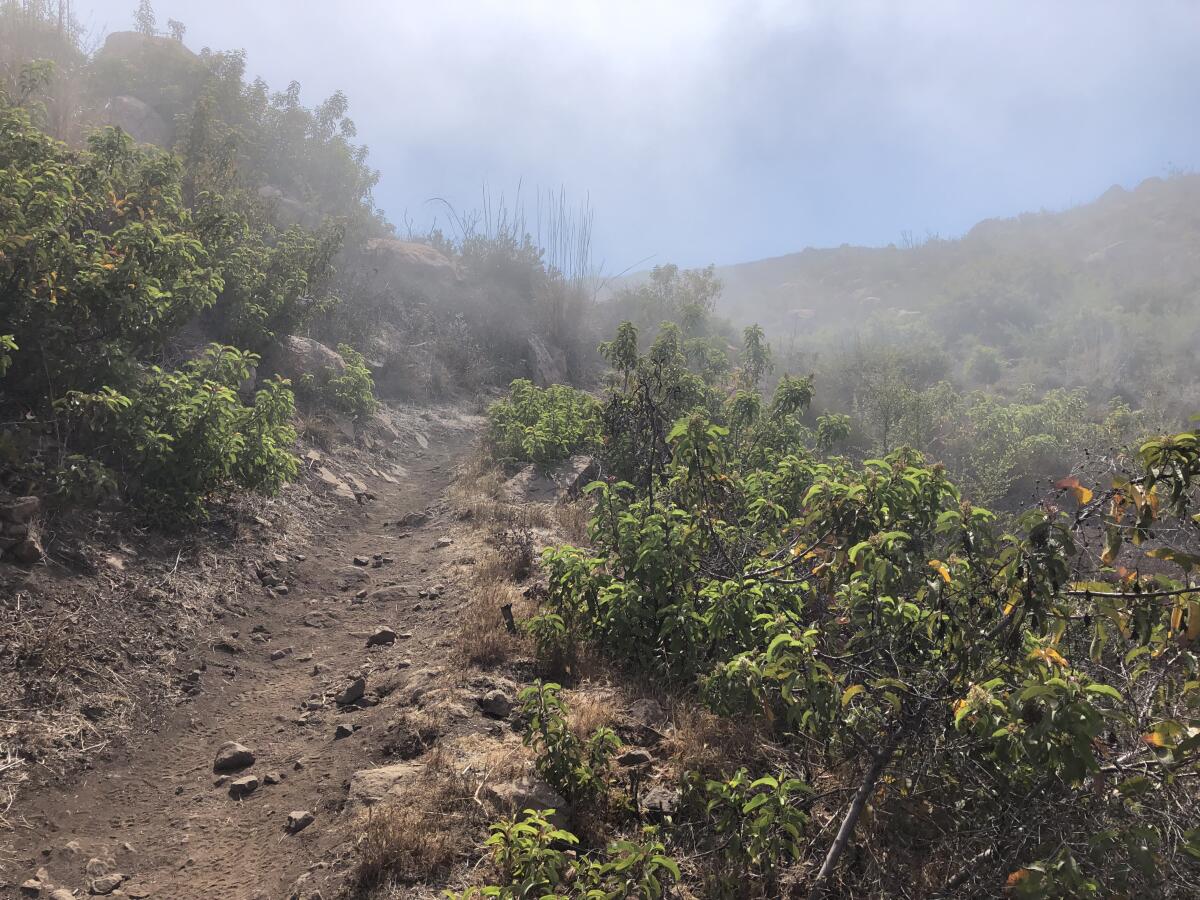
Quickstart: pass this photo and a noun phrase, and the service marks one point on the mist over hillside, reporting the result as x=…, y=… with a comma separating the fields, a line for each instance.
x=1102, y=296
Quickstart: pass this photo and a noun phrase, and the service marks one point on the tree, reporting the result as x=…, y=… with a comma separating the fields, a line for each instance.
x=144, y=20
x=756, y=357
x=177, y=29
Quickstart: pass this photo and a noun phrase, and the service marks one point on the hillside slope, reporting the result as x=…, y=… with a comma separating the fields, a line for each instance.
x=1101, y=296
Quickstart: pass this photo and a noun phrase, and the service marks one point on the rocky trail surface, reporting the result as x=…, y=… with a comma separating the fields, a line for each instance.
x=298, y=684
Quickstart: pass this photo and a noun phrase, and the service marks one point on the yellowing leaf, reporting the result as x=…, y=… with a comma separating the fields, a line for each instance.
x=1017, y=877
x=1154, y=739
x=1049, y=655
x=1083, y=495
x=851, y=692
x=941, y=569
x=1193, y=623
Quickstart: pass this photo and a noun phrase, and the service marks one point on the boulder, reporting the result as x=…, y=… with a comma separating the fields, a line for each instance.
x=353, y=692
x=565, y=482
x=106, y=884
x=399, y=264
x=495, y=704
x=380, y=636
x=27, y=550
x=575, y=474
x=139, y=119
x=512, y=797
x=369, y=786
x=298, y=820
x=232, y=756
x=296, y=356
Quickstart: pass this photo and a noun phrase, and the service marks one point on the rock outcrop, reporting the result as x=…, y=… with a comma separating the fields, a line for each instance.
x=297, y=356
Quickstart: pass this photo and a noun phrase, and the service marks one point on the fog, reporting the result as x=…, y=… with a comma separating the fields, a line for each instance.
x=721, y=132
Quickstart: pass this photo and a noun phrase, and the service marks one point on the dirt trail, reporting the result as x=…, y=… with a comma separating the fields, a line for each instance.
x=156, y=813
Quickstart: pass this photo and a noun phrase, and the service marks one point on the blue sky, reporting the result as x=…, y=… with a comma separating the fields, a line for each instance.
x=730, y=131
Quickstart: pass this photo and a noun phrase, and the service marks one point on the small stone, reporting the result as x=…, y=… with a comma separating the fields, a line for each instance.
x=233, y=756
x=243, y=787
x=31, y=887
x=106, y=884
x=72, y=848
x=495, y=704
x=353, y=692
x=136, y=891
x=342, y=731
x=61, y=894
x=96, y=867
x=632, y=759
x=281, y=653
x=382, y=635
x=660, y=801
x=283, y=590
x=272, y=778
x=362, y=561
x=442, y=543
x=298, y=820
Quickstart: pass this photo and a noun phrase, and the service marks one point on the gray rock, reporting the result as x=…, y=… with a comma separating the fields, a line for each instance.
x=660, y=801
x=232, y=756
x=353, y=692
x=297, y=356
x=527, y=792
x=369, y=786
x=243, y=787
x=633, y=759
x=106, y=884
x=139, y=119
x=61, y=894
x=495, y=704
x=342, y=731
x=298, y=820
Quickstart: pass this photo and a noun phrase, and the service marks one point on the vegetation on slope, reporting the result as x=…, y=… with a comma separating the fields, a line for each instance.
x=953, y=700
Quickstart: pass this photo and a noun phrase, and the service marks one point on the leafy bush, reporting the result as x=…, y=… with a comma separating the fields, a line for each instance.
x=543, y=425
x=526, y=854
x=575, y=767
x=925, y=659
x=183, y=435
x=758, y=823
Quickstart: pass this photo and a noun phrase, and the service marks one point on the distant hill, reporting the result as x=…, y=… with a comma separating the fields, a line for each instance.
x=1105, y=295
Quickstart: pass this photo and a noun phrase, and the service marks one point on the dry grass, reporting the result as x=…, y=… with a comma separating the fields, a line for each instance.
x=590, y=708
x=419, y=838
x=482, y=640
x=704, y=742
x=574, y=519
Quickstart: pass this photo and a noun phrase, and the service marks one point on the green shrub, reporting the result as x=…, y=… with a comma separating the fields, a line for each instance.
x=543, y=425
x=575, y=767
x=527, y=854
x=181, y=436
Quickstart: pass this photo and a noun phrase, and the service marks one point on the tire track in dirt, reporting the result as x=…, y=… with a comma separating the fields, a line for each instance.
x=155, y=812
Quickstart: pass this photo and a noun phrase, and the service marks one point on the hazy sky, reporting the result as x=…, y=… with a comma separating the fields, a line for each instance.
x=728, y=131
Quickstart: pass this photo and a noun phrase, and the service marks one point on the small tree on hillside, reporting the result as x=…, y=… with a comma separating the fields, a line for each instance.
x=144, y=20
x=177, y=29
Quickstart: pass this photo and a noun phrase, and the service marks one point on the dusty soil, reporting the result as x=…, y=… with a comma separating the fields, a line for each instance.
x=153, y=809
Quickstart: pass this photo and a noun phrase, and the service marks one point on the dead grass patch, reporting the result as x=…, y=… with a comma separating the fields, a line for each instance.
x=420, y=838
x=703, y=742
x=482, y=639
x=591, y=708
